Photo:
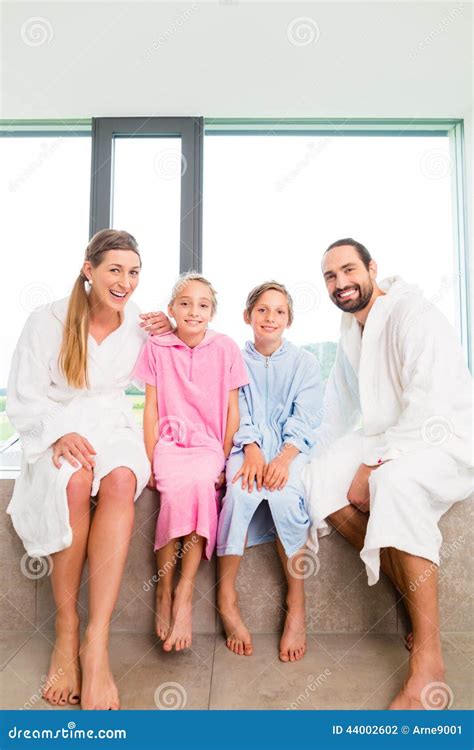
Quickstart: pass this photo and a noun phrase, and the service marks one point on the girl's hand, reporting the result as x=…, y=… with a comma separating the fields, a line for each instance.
x=220, y=481
x=75, y=449
x=276, y=474
x=155, y=323
x=151, y=482
x=252, y=469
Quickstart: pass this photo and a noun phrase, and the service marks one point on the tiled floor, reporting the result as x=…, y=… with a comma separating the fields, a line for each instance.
x=339, y=671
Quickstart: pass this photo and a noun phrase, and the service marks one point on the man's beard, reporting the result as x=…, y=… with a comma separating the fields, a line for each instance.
x=361, y=300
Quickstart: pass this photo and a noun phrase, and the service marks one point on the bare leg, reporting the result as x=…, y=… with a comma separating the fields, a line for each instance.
x=421, y=597
x=238, y=638
x=63, y=683
x=180, y=635
x=109, y=540
x=293, y=639
x=165, y=562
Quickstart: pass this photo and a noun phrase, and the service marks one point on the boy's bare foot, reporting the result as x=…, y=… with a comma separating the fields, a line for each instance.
x=164, y=601
x=293, y=639
x=181, y=630
x=425, y=687
x=238, y=638
x=63, y=683
x=99, y=690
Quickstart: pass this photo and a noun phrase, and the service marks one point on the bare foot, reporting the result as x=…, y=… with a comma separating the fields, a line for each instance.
x=238, y=638
x=425, y=687
x=180, y=634
x=293, y=639
x=63, y=683
x=164, y=601
x=99, y=690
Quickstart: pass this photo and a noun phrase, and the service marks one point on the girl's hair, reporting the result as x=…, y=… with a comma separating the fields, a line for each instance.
x=73, y=354
x=185, y=279
x=257, y=292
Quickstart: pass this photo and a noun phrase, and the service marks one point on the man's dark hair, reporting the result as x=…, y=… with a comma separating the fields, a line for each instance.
x=361, y=250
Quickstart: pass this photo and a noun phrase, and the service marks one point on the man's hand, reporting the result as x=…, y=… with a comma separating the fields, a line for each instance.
x=252, y=468
x=358, y=493
x=277, y=473
x=155, y=323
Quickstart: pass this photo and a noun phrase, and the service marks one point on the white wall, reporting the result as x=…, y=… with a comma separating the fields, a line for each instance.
x=234, y=59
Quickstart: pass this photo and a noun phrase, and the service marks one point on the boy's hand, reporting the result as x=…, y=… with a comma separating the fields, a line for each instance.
x=220, y=481
x=276, y=473
x=252, y=469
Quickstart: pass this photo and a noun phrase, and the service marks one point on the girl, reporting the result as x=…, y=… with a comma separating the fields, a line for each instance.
x=79, y=438
x=192, y=379
x=278, y=411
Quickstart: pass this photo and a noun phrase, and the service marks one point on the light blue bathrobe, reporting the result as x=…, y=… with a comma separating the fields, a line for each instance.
x=282, y=404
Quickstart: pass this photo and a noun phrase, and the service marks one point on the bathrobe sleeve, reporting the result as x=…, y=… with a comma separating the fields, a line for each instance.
x=39, y=420
x=436, y=401
x=341, y=405
x=299, y=428
x=247, y=432
x=145, y=368
x=238, y=375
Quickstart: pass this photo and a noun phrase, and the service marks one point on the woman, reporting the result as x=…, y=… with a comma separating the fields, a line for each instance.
x=66, y=398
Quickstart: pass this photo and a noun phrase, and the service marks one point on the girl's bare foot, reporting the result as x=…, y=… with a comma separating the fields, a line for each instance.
x=63, y=683
x=99, y=690
x=238, y=638
x=164, y=601
x=293, y=639
x=180, y=634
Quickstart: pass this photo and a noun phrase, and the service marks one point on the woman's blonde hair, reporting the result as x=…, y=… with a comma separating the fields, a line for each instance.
x=73, y=353
x=186, y=278
x=257, y=292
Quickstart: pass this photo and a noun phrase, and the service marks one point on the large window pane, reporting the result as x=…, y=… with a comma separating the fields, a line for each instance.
x=146, y=202
x=274, y=202
x=44, y=188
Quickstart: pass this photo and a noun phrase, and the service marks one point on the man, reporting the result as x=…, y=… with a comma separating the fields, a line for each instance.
x=400, y=375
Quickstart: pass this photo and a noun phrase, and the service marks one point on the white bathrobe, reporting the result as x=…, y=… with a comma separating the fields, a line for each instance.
x=405, y=384
x=43, y=407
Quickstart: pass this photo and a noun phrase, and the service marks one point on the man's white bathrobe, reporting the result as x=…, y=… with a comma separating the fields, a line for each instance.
x=405, y=385
x=43, y=407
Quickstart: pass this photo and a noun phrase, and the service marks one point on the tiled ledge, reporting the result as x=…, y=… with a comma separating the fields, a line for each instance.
x=338, y=598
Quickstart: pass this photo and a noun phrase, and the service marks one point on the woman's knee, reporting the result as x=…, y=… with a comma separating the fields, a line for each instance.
x=120, y=482
x=79, y=486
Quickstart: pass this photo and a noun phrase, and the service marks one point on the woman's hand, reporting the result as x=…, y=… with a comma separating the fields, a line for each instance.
x=359, y=494
x=75, y=449
x=155, y=323
x=151, y=482
x=276, y=473
x=252, y=468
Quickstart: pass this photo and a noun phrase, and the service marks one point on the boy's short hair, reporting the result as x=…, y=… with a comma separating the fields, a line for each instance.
x=257, y=292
